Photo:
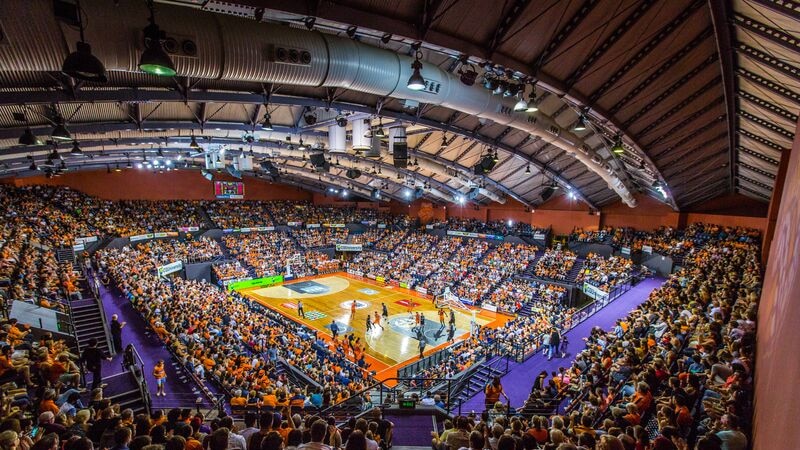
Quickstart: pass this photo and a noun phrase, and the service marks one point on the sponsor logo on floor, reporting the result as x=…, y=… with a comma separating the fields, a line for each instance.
x=368, y=291
x=314, y=315
x=289, y=305
x=308, y=287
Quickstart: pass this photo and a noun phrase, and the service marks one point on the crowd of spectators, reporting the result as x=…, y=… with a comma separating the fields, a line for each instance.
x=230, y=271
x=555, y=264
x=503, y=261
x=390, y=240
x=495, y=227
x=370, y=237
x=681, y=363
x=320, y=237
x=605, y=273
x=513, y=293
x=266, y=253
x=453, y=268
x=227, y=214
x=303, y=212
x=189, y=250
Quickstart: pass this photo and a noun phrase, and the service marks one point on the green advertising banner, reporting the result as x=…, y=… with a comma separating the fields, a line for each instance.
x=257, y=282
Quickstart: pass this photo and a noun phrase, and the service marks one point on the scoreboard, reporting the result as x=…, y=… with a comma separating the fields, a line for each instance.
x=229, y=189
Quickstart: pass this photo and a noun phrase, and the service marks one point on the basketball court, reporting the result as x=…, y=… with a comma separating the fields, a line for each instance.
x=330, y=298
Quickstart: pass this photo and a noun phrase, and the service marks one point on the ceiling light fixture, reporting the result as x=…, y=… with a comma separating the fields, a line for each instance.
x=81, y=63
x=154, y=60
x=528, y=169
x=416, y=82
x=267, y=123
x=193, y=144
x=581, y=125
x=60, y=131
x=28, y=138
x=76, y=149
x=379, y=132
x=618, y=148
x=532, y=100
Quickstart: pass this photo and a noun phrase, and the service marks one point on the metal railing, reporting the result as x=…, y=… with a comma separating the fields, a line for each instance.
x=381, y=394
x=133, y=363
x=94, y=286
x=427, y=362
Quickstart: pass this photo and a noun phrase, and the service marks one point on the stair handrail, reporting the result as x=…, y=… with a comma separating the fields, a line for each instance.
x=382, y=387
x=91, y=279
x=132, y=361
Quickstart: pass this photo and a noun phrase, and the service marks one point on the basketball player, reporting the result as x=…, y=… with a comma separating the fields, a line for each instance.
x=452, y=318
x=451, y=333
x=441, y=317
x=385, y=311
x=378, y=320
x=353, y=308
x=416, y=322
x=422, y=321
x=300, y=311
x=369, y=324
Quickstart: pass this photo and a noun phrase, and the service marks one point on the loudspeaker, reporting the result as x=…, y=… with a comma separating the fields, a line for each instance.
x=547, y=193
x=400, y=155
x=270, y=169
x=487, y=162
x=234, y=172
x=419, y=193
x=319, y=162
x=353, y=173
x=472, y=194
x=317, y=159
x=478, y=169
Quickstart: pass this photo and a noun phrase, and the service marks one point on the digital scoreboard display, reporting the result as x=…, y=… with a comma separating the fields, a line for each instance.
x=229, y=189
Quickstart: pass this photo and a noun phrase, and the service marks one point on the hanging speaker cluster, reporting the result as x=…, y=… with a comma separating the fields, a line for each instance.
x=353, y=173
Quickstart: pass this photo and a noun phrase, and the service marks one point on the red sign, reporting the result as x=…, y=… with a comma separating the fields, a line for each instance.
x=289, y=305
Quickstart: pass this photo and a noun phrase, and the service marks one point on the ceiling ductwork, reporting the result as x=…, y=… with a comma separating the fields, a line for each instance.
x=231, y=48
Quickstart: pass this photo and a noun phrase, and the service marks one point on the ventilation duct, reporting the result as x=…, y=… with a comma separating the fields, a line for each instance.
x=233, y=48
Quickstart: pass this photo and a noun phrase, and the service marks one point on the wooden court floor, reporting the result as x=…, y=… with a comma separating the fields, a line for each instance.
x=330, y=298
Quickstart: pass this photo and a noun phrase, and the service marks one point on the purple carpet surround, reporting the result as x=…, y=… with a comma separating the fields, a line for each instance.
x=517, y=383
x=180, y=392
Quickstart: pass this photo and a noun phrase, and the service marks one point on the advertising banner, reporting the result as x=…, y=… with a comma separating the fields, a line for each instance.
x=474, y=235
x=334, y=225
x=188, y=229
x=85, y=240
x=256, y=282
x=539, y=236
x=293, y=224
x=349, y=247
x=312, y=225
x=594, y=291
x=647, y=249
x=170, y=268
x=421, y=290
x=625, y=250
